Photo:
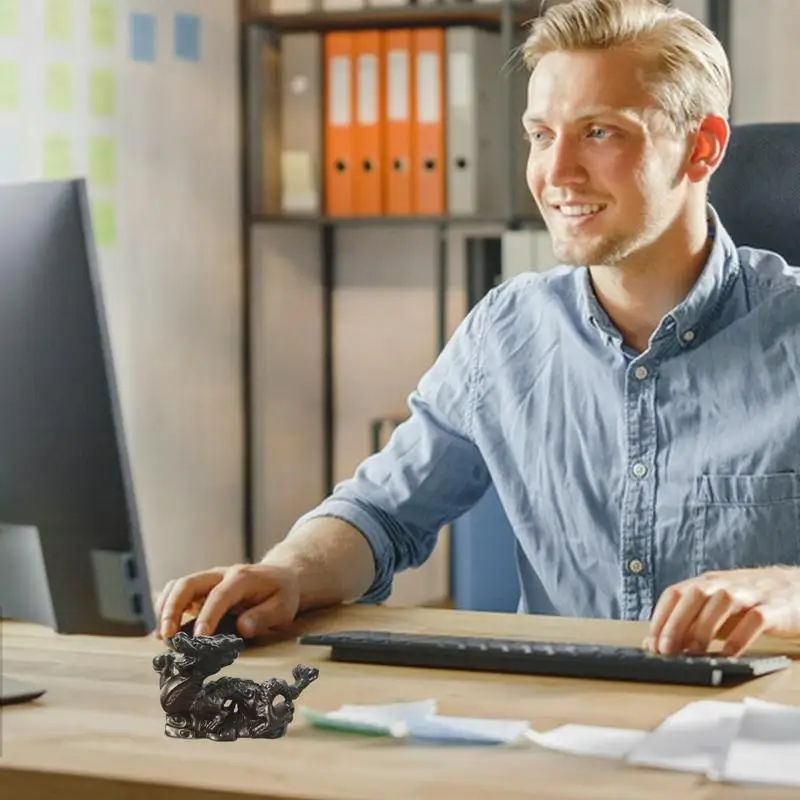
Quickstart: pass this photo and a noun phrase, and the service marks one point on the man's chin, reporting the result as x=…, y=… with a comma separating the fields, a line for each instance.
x=573, y=254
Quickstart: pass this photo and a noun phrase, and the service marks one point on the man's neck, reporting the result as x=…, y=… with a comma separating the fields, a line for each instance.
x=638, y=294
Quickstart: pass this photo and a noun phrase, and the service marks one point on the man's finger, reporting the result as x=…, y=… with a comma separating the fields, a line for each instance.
x=672, y=635
x=750, y=627
x=184, y=592
x=258, y=621
x=717, y=610
x=222, y=598
x=666, y=603
x=159, y=605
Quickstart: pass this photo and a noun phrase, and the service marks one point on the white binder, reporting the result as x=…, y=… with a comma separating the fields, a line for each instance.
x=294, y=6
x=474, y=146
x=342, y=5
x=301, y=123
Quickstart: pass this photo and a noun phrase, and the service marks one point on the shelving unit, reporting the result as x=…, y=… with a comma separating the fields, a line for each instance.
x=505, y=16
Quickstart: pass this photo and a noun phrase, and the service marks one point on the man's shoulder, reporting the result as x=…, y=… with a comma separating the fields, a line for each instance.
x=769, y=271
x=533, y=290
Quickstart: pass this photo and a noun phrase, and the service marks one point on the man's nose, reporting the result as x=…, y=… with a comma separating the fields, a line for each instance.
x=566, y=166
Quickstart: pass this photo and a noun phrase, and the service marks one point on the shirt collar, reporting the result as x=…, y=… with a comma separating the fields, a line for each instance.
x=689, y=319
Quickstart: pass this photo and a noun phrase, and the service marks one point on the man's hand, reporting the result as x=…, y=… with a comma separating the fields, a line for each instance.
x=734, y=606
x=264, y=595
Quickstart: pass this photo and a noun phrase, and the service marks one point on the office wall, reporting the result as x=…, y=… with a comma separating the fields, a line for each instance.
x=765, y=60
x=157, y=133
x=697, y=8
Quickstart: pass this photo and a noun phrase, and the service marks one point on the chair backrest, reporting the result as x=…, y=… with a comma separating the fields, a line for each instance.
x=756, y=189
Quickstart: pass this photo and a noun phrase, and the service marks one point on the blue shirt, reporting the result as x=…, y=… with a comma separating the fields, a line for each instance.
x=621, y=473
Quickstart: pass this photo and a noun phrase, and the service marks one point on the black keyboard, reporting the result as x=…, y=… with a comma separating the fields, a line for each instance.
x=540, y=658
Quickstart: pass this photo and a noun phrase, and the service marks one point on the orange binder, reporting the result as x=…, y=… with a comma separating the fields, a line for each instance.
x=398, y=98
x=339, y=112
x=368, y=138
x=429, y=121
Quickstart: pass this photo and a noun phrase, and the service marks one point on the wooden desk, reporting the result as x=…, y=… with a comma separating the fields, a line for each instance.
x=98, y=732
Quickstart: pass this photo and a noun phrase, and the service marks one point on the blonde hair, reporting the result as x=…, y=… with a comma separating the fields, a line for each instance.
x=688, y=69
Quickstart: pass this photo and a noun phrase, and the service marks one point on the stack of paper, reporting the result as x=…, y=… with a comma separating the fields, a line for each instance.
x=694, y=739
x=748, y=742
x=766, y=748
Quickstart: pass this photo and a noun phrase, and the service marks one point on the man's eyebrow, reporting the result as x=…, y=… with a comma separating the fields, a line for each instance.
x=631, y=112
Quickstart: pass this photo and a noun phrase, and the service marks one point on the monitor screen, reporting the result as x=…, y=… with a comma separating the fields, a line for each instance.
x=71, y=552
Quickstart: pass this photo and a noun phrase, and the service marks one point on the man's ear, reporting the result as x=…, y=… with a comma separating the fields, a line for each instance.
x=707, y=147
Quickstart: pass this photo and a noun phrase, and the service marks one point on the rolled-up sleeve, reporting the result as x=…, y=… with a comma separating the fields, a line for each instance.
x=429, y=473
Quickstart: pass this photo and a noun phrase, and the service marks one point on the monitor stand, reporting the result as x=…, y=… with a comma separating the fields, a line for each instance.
x=24, y=595
x=16, y=691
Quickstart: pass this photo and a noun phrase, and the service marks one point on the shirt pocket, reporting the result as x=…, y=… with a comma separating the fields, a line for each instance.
x=747, y=521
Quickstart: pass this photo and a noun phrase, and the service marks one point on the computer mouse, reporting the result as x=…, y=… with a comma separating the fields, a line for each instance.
x=226, y=625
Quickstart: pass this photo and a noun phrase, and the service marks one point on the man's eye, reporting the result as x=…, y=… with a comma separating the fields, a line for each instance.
x=598, y=133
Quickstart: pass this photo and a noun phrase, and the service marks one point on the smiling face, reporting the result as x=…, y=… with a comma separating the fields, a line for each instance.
x=605, y=168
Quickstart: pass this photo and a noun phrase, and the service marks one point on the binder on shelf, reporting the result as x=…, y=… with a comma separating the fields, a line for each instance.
x=474, y=169
x=293, y=6
x=429, y=121
x=399, y=155
x=301, y=123
x=342, y=5
x=263, y=128
x=338, y=59
x=368, y=129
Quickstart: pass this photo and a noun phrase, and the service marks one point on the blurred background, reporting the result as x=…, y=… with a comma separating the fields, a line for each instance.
x=295, y=203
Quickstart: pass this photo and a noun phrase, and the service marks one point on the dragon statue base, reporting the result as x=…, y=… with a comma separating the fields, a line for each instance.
x=227, y=708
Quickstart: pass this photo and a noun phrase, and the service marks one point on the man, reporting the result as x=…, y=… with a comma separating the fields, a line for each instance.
x=637, y=409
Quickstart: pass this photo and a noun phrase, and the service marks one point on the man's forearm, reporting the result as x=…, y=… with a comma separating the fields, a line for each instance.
x=332, y=559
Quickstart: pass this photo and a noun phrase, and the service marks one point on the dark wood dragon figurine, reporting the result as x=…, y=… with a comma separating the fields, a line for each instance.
x=227, y=708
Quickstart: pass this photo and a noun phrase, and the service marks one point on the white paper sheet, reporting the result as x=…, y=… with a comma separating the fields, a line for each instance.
x=418, y=720
x=590, y=740
x=766, y=749
x=694, y=739
x=387, y=720
x=467, y=729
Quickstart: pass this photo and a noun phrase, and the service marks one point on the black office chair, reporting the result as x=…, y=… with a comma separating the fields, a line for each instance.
x=756, y=189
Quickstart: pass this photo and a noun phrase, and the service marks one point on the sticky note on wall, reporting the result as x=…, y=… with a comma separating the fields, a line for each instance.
x=187, y=37
x=57, y=161
x=102, y=92
x=58, y=87
x=104, y=223
x=102, y=31
x=102, y=161
x=143, y=37
x=9, y=86
x=9, y=18
x=58, y=20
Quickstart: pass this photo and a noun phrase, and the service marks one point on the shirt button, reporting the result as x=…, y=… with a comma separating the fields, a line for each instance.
x=639, y=470
x=688, y=336
x=635, y=566
x=641, y=373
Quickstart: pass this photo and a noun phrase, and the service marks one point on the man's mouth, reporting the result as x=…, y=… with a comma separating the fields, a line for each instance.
x=579, y=210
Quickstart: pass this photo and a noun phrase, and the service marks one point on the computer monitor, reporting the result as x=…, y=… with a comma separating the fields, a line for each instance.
x=71, y=554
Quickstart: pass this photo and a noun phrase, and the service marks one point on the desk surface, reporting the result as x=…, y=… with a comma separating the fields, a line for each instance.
x=98, y=732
